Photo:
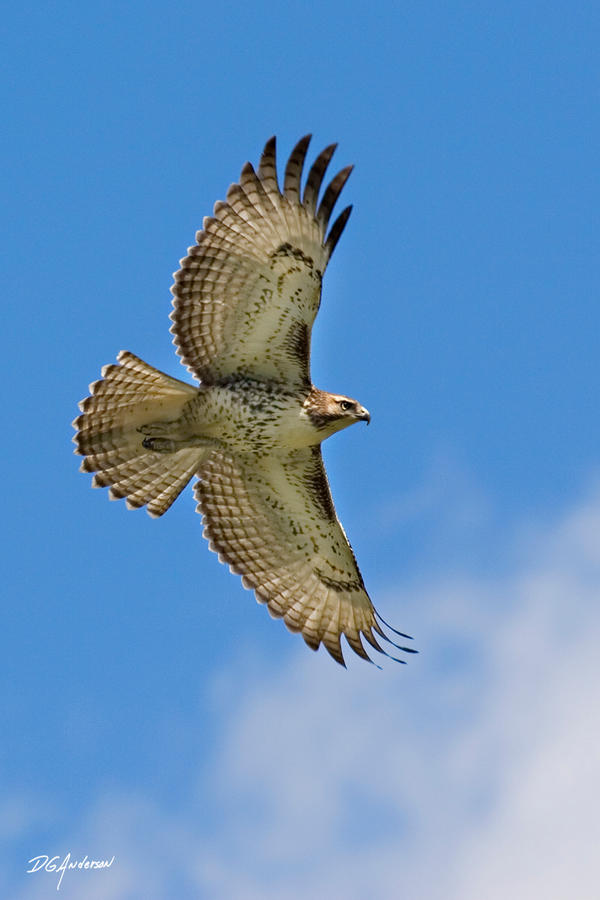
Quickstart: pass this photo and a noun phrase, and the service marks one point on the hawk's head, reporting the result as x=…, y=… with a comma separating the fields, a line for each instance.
x=332, y=412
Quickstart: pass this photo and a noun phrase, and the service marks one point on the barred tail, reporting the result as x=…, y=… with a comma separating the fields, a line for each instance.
x=128, y=396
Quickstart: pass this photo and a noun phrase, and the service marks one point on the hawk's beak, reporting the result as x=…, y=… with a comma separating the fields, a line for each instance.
x=364, y=415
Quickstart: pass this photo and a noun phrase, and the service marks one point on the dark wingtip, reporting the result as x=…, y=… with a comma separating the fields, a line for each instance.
x=337, y=229
x=315, y=178
x=391, y=627
x=388, y=639
x=267, y=166
x=293, y=170
x=373, y=663
x=331, y=195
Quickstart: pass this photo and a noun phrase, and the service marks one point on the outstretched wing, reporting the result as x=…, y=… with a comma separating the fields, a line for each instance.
x=247, y=294
x=273, y=520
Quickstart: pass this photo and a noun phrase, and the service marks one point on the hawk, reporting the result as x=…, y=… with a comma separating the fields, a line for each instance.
x=245, y=299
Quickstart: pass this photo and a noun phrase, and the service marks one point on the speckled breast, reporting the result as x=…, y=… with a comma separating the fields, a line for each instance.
x=251, y=415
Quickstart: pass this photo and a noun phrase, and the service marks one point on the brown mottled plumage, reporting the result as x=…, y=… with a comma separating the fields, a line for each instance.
x=245, y=299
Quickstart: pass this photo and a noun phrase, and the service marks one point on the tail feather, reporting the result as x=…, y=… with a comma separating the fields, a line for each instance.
x=129, y=395
x=151, y=480
x=128, y=383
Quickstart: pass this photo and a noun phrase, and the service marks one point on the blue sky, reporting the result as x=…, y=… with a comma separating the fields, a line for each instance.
x=150, y=708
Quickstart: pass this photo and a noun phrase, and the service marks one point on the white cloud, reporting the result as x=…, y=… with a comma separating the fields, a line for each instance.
x=471, y=773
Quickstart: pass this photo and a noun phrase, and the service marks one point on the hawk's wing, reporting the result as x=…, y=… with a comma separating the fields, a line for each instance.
x=247, y=294
x=273, y=520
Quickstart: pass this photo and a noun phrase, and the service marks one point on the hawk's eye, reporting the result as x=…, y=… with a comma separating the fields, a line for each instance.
x=346, y=405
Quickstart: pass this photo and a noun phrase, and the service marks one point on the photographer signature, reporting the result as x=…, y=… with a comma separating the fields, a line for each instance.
x=54, y=864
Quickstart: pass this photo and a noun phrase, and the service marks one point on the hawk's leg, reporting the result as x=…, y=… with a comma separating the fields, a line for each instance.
x=161, y=429
x=157, y=439
x=167, y=445
x=160, y=445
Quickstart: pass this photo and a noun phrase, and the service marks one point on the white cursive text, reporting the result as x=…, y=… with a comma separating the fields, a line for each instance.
x=54, y=864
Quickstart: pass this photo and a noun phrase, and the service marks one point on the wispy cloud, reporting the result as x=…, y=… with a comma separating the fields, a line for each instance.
x=472, y=772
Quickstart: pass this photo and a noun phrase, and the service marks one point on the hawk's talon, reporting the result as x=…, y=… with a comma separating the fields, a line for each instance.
x=159, y=445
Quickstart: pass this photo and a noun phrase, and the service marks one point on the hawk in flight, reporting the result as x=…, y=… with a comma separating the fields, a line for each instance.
x=245, y=299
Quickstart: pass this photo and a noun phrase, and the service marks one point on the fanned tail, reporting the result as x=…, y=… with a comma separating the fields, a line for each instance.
x=130, y=395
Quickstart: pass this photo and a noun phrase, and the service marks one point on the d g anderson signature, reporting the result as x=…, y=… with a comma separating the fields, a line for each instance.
x=54, y=864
